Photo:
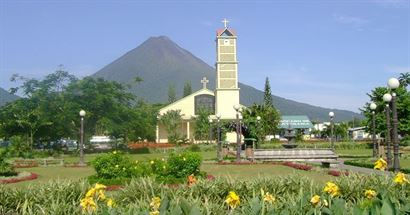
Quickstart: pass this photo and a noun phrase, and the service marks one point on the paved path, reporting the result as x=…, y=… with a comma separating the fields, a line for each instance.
x=362, y=169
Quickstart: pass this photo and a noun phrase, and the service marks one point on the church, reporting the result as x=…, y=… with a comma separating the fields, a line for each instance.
x=220, y=101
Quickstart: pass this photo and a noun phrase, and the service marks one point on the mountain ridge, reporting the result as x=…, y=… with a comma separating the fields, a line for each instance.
x=6, y=97
x=160, y=62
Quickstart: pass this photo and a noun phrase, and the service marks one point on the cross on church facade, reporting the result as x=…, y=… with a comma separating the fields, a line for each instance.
x=204, y=81
x=225, y=21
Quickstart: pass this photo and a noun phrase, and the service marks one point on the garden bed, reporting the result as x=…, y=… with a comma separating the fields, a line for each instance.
x=298, y=166
x=23, y=176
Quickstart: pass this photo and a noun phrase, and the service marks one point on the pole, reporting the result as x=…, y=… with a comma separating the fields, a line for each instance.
x=396, y=163
x=374, y=135
x=219, y=153
x=238, y=139
x=388, y=137
x=82, y=142
x=331, y=134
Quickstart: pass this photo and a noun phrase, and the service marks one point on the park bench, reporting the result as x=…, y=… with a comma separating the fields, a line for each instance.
x=327, y=157
x=52, y=162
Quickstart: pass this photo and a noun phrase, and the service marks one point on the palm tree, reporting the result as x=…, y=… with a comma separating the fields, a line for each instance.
x=404, y=79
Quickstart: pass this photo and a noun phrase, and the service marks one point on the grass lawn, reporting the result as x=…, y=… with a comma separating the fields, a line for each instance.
x=47, y=174
x=261, y=170
x=141, y=157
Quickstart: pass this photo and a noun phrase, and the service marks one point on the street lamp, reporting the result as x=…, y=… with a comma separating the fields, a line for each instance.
x=218, y=132
x=387, y=98
x=258, y=120
x=82, y=115
x=393, y=84
x=238, y=135
x=331, y=115
x=373, y=107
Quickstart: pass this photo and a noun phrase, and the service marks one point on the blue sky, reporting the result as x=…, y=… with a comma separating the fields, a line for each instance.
x=326, y=53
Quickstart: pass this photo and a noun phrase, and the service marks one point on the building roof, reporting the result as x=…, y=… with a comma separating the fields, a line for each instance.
x=295, y=121
x=220, y=31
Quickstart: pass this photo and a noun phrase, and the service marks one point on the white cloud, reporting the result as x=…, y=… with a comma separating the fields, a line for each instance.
x=354, y=21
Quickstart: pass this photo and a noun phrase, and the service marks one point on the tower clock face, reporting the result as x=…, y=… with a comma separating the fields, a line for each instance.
x=226, y=42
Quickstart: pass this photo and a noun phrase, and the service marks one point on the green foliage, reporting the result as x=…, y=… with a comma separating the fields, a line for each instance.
x=6, y=169
x=194, y=148
x=113, y=165
x=292, y=196
x=202, y=125
x=268, y=124
x=172, y=95
x=184, y=164
x=403, y=110
x=267, y=97
x=187, y=89
x=172, y=121
x=20, y=147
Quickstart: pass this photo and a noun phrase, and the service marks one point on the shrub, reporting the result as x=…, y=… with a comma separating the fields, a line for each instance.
x=143, y=150
x=184, y=164
x=370, y=164
x=194, y=148
x=6, y=169
x=113, y=165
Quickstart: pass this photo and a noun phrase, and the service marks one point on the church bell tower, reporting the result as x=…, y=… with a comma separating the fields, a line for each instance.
x=227, y=91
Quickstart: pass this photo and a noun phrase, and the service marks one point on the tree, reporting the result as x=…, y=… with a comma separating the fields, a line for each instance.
x=187, y=89
x=268, y=124
x=172, y=121
x=404, y=79
x=171, y=94
x=202, y=125
x=403, y=110
x=267, y=98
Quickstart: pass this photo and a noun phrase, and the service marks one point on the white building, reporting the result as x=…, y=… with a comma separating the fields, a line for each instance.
x=220, y=101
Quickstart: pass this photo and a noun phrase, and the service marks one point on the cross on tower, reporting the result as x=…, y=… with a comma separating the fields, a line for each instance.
x=204, y=81
x=225, y=21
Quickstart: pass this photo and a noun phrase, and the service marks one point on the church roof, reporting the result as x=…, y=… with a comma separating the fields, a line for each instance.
x=295, y=121
x=220, y=31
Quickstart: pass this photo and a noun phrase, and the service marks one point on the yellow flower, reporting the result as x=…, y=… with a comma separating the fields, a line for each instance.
x=136, y=161
x=400, y=178
x=155, y=203
x=332, y=189
x=110, y=203
x=269, y=198
x=232, y=200
x=114, y=152
x=123, y=169
x=116, y=166
x=154, y=213
x=101, y=195
x=88, y=204
x=164, y=167
x=370, y=194
x=325, y=203
x=380, y=164
x=90, y=193
x=163, y=159
x=99, y=186
x=184, y=158
x=315, y=200
x=152, y=162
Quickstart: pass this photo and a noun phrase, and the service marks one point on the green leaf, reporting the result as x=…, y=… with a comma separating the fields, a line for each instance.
x=387, y=207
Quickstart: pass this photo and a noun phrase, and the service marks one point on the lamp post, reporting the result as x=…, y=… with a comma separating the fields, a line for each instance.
x=210, y=130
x=218, y=132
x=238, y=135
x=82, y=115
x=393, y=84
x=331, y=115
x=373, y=107
x=258, y=120
x=387, y=98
